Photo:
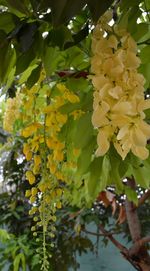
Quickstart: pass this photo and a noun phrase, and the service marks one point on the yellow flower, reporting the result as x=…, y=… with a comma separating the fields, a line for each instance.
x=134, y=136
x=99, y=117
x=103, y=139
x=61, y=118
x=28, y=193
x=58, y=155
x=119, y=103
x=37, y=161
x=58, y=205
x=34, y=191
x=30, y=129
x=30, y=177
x=32, y=199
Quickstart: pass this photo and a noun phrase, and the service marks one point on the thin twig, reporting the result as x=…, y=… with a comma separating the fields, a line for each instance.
x=101, y=234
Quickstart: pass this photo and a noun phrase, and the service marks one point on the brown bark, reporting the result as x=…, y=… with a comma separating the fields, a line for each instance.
x=138, y=253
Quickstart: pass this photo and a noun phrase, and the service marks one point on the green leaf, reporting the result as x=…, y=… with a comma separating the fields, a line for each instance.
x=25, y=75
x=105, y=173
x=18, y=259
x=8, y=21
x=94, y=177
x=17, y=7
x=144, y=54
x=140, y=171
x=84, y=131
x=64, y=10
x=76, y=58
x=78, y=84
x=33, y=78
x=97, y=7
x=116, y=161
x=144, y=69
x=9, y=62
x=141, y=175
x=27, y=35
x=147, y=4
x=60, y=36
x=142, y=32
x=52, y=58
x=10, y=79
x=4, y=236
x=85, y=104
x=131, y=195
x=24, y=60
x=126, y=4
x=85, y=157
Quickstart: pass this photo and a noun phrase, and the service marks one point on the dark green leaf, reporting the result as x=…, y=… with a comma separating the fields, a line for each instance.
x=64, y=10
x=98, y=7
x=8, y=21
x=26, y=36
x=18, y=7
x=142, y=32
x=60, y=36
x=24, y=60
x=33, y=78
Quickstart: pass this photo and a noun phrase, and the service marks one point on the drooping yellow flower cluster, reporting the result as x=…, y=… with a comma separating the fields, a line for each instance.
x=38, y=111
x=11, y=112
x=119, y=104
x=43, y=136
x=42, y=120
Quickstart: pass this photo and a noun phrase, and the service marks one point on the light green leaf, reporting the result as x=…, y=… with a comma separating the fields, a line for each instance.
x=52, y=59
x=131, y=195
x=17, y=261
x=94, y=177
x=4, y=236
x=144, y=54
x=105, y=174
x=78, y=84
x=142, y=176
x=84, y=131
x=85, y=157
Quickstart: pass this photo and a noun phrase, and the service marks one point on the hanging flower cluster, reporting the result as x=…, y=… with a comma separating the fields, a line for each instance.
x=12, y=112
x=119, y=104
x=43, y=147
x=41, y=120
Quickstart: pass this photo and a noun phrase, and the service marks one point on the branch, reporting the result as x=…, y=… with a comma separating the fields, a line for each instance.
x=144, y=240
x=101, y=234
x=132, y=216
x=134, y=250
x=123, y=249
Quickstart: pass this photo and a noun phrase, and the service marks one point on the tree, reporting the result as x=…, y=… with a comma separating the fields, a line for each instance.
x=78, y=101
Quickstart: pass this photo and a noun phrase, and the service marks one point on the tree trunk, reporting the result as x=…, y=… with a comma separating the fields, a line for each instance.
x=138, y=253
